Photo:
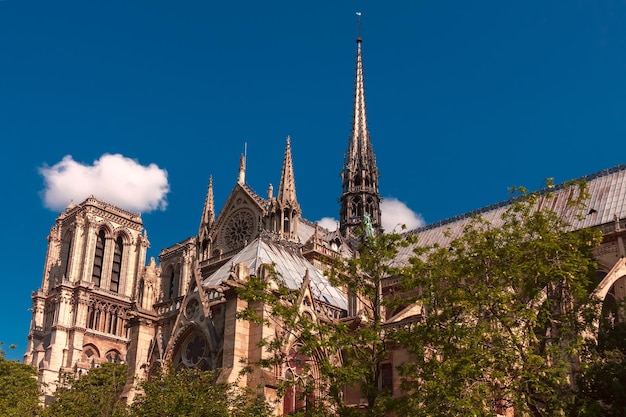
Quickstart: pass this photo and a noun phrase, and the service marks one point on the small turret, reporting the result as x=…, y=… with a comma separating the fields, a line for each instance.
x=284, y=210
x=208, y=217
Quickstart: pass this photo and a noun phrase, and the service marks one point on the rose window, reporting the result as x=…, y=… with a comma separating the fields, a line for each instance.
x=239, y=229
x=194, y=350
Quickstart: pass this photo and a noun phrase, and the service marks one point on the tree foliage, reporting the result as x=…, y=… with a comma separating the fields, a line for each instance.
x=334, y=353
x=195, y=393
x=95, y=394
x=19, y=394
x=506, y=307
x=505, y=310
x=603, y=375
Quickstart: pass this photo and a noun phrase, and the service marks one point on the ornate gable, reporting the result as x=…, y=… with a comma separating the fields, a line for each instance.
x=239, y=221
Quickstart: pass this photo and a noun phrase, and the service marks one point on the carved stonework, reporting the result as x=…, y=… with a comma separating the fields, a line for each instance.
x=239, y=229
x=192, y=309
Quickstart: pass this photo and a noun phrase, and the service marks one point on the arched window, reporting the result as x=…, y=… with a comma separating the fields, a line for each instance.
x=286, y=221
x=369, y=208
x=90, y=355
x=354, y=207
x=171, y=289
x=98, y=258
x=113, y=356
x=193, y=352
x=140, y=290
x=117, y=264
x=66, y=252
x=298, y=395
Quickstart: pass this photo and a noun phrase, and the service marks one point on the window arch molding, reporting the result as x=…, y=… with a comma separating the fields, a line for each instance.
x=171, y=281
x=119, y=261
x=192, y=350
x=300, y=372
x=67, y=246
x=90, y=355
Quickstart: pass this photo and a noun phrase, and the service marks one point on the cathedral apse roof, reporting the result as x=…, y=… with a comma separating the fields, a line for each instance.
x=288, y=263
x=606, y=202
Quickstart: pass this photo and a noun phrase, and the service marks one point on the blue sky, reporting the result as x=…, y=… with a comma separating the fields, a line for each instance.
x=464, y=99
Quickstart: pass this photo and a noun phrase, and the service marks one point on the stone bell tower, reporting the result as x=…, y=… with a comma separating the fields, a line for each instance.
x=92, y=280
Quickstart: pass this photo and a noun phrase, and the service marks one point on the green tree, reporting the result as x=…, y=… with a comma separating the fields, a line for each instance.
x=603, y=375
x=332, y=353
x=506, y=305
x=95, y=394
x=195, y=393
x=19, y=395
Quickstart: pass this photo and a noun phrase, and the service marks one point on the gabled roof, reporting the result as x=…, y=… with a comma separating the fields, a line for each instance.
x=289, y=264
x=607, y=201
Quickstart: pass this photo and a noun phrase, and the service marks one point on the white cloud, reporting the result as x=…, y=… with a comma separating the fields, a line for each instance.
x=394, y=213
x=115, y=179
x=328, y=223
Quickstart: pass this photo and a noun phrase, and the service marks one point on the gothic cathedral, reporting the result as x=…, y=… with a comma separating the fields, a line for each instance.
x=101, y=300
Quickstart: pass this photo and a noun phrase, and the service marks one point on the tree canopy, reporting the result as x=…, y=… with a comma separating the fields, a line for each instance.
x=94, y=394
x=195, y=393
x=504, y=311
x=506, y=308
x=19, y=394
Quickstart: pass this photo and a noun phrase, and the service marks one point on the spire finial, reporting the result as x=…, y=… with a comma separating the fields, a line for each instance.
x=208, y=214
x=358, y=26
x=287, y=187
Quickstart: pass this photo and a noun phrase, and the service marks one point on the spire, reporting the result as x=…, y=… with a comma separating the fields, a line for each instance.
x=284, y=210
x=208, y=214
x=360, y=198
x=287, y=188
x=359, y=141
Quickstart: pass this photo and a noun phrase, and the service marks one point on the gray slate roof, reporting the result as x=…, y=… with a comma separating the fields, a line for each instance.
x=607, y=190
x=288, y=263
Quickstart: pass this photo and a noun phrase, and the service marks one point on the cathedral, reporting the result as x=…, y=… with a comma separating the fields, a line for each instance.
x=101, y=300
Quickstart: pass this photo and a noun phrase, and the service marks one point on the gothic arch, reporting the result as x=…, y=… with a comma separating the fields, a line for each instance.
x=614, y=275
x=191, y=349
x=67, y=244
x=611, y=288
x=105, y=227
x=90, y=355
x=124, y=234
x=300, y=370
x=171, y=278
x=114, y=355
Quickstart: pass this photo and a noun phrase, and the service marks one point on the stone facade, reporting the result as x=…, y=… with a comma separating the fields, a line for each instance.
x=102, y=300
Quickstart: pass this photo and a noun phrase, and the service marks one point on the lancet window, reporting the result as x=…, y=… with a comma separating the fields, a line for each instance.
x=117, y=264
x=66, y=251
x=299, y=394
x=98, y=259
x=171, y=289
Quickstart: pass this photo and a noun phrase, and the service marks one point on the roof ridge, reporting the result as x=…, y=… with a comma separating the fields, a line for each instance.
x=485, y=209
